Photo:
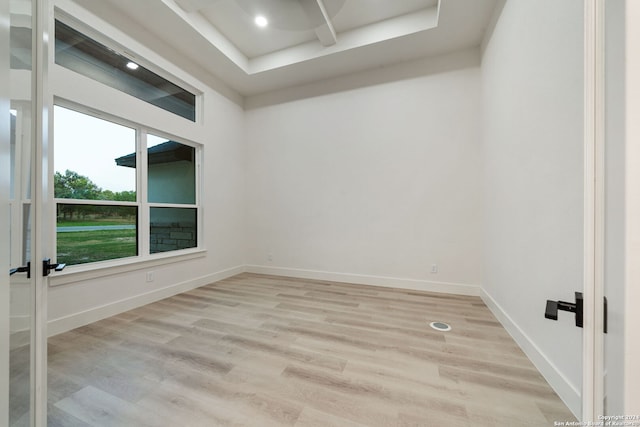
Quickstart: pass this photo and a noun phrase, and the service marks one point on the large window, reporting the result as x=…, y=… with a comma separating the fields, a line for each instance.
x=114, y=203
x=88, y=57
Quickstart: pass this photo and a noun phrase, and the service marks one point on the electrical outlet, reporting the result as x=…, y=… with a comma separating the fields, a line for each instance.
x=269, y=257
x=150, y=276
x=434, y=268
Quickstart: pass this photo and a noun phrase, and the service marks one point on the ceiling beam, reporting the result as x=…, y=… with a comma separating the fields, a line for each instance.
x=326, y=33
x=317, y=14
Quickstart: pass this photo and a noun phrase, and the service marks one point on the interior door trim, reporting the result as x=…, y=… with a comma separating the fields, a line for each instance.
x=593, y=278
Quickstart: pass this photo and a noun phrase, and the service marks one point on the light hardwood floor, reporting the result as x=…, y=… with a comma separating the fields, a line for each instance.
x=256, y=350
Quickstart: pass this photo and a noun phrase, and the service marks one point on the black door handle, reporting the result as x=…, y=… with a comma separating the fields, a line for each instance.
x=551, y=311
x=47, y=266
x=23, y=269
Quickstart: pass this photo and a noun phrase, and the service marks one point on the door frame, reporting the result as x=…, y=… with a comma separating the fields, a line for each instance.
x=594, y=208
x=593, y=392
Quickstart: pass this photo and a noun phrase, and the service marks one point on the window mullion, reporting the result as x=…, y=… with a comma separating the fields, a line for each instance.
x=199, y=214
x=143, y=188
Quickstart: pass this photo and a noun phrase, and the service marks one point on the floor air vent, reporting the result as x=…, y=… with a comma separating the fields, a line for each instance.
x=440, y=326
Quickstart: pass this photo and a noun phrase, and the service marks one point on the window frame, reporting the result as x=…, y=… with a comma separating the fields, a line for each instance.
x=144, y=256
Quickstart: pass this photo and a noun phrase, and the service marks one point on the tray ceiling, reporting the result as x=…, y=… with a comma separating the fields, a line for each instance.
x=304, y=41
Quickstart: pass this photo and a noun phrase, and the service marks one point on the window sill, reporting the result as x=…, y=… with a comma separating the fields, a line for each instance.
x=82, y=272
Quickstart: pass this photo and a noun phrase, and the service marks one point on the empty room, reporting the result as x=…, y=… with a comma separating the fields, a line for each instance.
x=319, y=213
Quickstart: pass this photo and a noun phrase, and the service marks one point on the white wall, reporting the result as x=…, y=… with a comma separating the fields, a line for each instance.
x=533, y=180
x=221, y=132
x=370, y=183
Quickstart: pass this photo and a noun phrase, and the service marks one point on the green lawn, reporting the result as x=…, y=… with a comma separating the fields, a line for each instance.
x=81, y=247
x=89, y=222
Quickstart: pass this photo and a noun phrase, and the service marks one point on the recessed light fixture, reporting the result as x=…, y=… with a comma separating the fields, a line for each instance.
x=261, y=21
x=132, y=65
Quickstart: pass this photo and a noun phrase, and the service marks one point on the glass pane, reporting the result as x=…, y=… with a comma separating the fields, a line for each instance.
x=26, y=233
x=173, y=229
x=83, y=55
x=12, y=154
x=20, y=145
x=20, y=167
x=171, y=171
x=86, y=154
x=20, y=43
x=91, y=233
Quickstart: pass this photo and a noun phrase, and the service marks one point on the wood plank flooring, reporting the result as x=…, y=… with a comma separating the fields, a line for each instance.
x=256, y=350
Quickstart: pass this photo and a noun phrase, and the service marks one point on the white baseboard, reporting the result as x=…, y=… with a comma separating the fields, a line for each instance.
x=567, y=391
x=360, y=279
x=67, y=323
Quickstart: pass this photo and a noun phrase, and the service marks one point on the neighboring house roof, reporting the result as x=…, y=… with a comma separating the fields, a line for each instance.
x=166, y=152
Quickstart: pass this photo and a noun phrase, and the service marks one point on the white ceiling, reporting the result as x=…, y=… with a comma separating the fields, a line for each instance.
x=292, y=22
x=305, y=41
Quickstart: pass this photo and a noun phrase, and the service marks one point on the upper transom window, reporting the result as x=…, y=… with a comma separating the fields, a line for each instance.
x=88, y=57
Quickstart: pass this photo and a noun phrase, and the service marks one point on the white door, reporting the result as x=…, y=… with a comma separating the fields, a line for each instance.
x=22, y=277
x=22, y=280
x=21, y=174
x=4, y=214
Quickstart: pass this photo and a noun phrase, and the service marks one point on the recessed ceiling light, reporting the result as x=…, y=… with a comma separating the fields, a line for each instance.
x=261, y=21
x=132, y=65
